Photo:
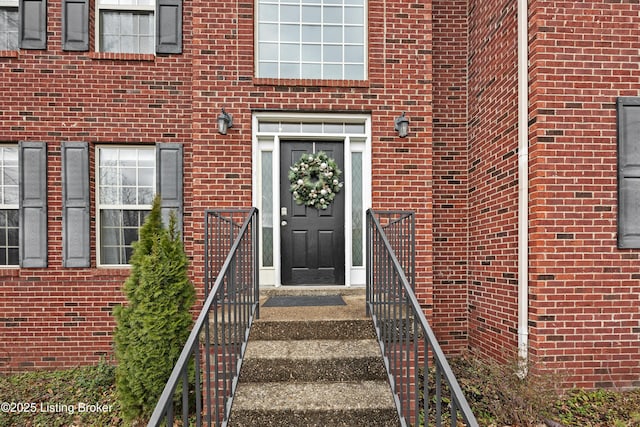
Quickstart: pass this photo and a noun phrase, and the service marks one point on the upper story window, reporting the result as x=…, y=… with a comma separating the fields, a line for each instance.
x=9, y=25
x=126, y=187
x=126, y=26
x=9, y=213
x=312, y=39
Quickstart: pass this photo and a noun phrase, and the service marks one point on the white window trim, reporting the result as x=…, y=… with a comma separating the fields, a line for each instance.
x=100, y=6
x=15, y=206
x=270, y=141
x=100, y=206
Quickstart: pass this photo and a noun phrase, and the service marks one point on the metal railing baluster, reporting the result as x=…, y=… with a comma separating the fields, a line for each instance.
x=406, y=339
x=221, y=329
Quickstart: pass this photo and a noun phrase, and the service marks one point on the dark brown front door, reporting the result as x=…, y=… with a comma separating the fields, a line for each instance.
x=312, y=239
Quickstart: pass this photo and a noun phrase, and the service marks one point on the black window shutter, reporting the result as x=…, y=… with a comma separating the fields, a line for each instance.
x=33, y=24
x=628, y=172
x=169, y=26
x=33, y=204
x=75, y=25
x=169, y=180
x=76, y=245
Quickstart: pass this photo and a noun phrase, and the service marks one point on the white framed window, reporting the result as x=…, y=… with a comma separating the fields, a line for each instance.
x=125, y=191
x=126, y=26
x=9, y=25
x=311, y=39
x=9, y=207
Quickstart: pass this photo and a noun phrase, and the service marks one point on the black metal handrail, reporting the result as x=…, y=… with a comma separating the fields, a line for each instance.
x=206, y=374
x=406, y=340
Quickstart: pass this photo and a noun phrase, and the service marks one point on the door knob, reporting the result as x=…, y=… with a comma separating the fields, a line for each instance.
x=283, y=223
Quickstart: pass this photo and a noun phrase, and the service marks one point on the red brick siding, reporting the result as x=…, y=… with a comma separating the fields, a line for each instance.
x=63, y=317
x=585, y=292
x=59, y=317
x=493, y=188
x=450, y=174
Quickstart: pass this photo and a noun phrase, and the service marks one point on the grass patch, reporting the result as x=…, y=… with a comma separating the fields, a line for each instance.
x=77, y=397
x=499, y=397
x=496, y=395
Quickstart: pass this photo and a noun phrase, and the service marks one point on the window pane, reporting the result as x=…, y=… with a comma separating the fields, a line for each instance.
x=268, y=12
x=333, y=34
x=268, y=51
x=126, y=31
x=354, y=53
x=290, y=13
x=145, y=196
x=354, y=15
x=267, y=208
x=145, y=177
x=127, y=2
x=9, y=184
x=9, y=240
x=311, y=71
x=289, y=71
x=356, y=209
x=354, y=35
x=289, y=33
x=311, y=53
x=268, y=69
x=118, y=231
x=8, y=28
x=290, y=53
x=355, y=72
x=332, y=53
x=128, y=175
x=311, y=33
x=128, y=195
x=9, y=176
x=332, y=15
x=311, y=14
x=354, y=128
x=268, y=32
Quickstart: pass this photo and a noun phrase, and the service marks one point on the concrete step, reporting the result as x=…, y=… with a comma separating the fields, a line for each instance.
x=313, y=366
x=312, y=360
x=346, y=329
x=361, y=403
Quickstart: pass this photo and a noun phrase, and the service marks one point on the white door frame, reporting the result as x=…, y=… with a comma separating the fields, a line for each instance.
x=268, y=129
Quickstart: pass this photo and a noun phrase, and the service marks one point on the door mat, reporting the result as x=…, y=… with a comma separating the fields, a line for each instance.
x=303, y=301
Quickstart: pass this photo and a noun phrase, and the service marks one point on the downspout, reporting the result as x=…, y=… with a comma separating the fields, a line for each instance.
x=523, y=188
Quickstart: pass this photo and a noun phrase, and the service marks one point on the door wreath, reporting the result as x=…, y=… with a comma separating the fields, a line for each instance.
x=315, y=180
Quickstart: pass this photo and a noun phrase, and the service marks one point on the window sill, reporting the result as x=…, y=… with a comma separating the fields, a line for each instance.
x=116, y=56
x=260, y=81
x=9, y=53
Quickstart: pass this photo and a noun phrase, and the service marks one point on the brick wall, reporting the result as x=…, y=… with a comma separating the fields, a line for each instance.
x=493, y=188
x=450, y=174
x=59, y=317
x=585, y=292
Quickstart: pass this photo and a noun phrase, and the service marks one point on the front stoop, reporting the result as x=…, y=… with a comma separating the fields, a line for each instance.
x=313, y=366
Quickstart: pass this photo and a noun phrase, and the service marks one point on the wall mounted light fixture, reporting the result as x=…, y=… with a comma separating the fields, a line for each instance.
x=402, y=125
x=225, y=121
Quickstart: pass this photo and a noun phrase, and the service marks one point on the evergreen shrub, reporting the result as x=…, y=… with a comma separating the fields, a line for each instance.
x=155, y=324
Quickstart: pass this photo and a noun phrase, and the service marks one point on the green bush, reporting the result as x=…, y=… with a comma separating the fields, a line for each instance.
x=152, y=329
